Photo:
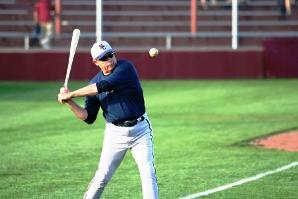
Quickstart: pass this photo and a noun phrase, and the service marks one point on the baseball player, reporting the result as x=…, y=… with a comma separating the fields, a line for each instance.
x=117, y=91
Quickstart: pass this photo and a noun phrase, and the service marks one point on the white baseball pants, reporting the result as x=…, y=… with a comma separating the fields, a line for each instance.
x=117, y=140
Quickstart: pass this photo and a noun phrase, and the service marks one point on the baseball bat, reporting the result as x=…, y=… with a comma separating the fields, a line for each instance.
x=72, y=51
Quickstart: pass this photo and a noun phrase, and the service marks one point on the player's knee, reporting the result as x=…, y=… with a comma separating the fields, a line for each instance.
x=148, y=171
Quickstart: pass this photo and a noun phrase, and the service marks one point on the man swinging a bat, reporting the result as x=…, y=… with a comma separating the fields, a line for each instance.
x=117, y=91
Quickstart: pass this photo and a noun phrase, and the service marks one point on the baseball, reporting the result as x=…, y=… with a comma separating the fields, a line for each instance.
x=153, y=52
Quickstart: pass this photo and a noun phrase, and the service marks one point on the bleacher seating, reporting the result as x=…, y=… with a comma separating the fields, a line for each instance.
x=132, y=24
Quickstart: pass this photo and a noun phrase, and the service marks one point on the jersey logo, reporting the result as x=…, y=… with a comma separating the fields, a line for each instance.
x=102, y=46
x=110, y=92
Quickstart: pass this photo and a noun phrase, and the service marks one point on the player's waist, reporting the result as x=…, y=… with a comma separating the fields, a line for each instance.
x=129, y=123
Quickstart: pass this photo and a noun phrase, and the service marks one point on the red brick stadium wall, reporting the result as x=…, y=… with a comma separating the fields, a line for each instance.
x=44, y=66
x=278, y=59
x=191, y=65
x=48, y=66
x=281, y=58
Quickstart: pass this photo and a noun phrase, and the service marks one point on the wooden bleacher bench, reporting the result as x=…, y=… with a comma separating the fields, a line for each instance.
x=146, y=23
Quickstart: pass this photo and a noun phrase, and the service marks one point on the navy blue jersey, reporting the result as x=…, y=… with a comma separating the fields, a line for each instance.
x=120, y=95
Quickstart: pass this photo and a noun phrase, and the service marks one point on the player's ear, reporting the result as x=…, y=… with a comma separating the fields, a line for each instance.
x=94, y=61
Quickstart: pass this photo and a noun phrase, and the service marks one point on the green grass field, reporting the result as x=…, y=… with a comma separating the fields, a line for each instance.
x=201, y=134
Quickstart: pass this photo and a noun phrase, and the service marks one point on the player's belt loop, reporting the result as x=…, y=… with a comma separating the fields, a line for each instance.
x=140, y=119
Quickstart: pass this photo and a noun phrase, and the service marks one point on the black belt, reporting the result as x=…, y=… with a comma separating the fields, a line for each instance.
x=129, y=123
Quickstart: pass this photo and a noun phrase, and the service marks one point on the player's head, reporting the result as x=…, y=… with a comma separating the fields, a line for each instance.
x=100, y=49
x=103, y=56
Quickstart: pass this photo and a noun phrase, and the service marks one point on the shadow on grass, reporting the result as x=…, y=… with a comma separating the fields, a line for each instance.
x=248, y=142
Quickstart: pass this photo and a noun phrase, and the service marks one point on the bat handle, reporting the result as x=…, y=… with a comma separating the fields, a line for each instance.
x=64, y=90
x=66, y=81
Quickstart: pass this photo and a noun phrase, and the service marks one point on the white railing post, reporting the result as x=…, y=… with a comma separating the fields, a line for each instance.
x=26, y=42
x=99, y=20
x=234, y=24
x=168, y=41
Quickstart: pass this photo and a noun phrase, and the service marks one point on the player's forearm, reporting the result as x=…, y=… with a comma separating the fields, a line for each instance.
x=85, y=91
x=78, y=111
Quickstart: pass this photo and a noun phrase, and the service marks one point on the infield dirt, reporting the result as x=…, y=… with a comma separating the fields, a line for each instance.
x=284, y=141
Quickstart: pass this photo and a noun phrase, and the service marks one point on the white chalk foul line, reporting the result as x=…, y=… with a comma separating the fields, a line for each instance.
x=240, y=182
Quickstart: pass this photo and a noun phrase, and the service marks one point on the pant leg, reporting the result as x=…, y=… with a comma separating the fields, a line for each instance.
x=112, y=154
x=142, y=152
x=47, y=34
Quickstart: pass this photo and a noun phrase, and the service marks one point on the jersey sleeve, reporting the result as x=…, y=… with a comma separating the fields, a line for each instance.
x=122, y=74
x=103, y=86
x=92, y=106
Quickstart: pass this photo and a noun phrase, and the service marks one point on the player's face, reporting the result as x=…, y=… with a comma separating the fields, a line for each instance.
x=107, y=63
